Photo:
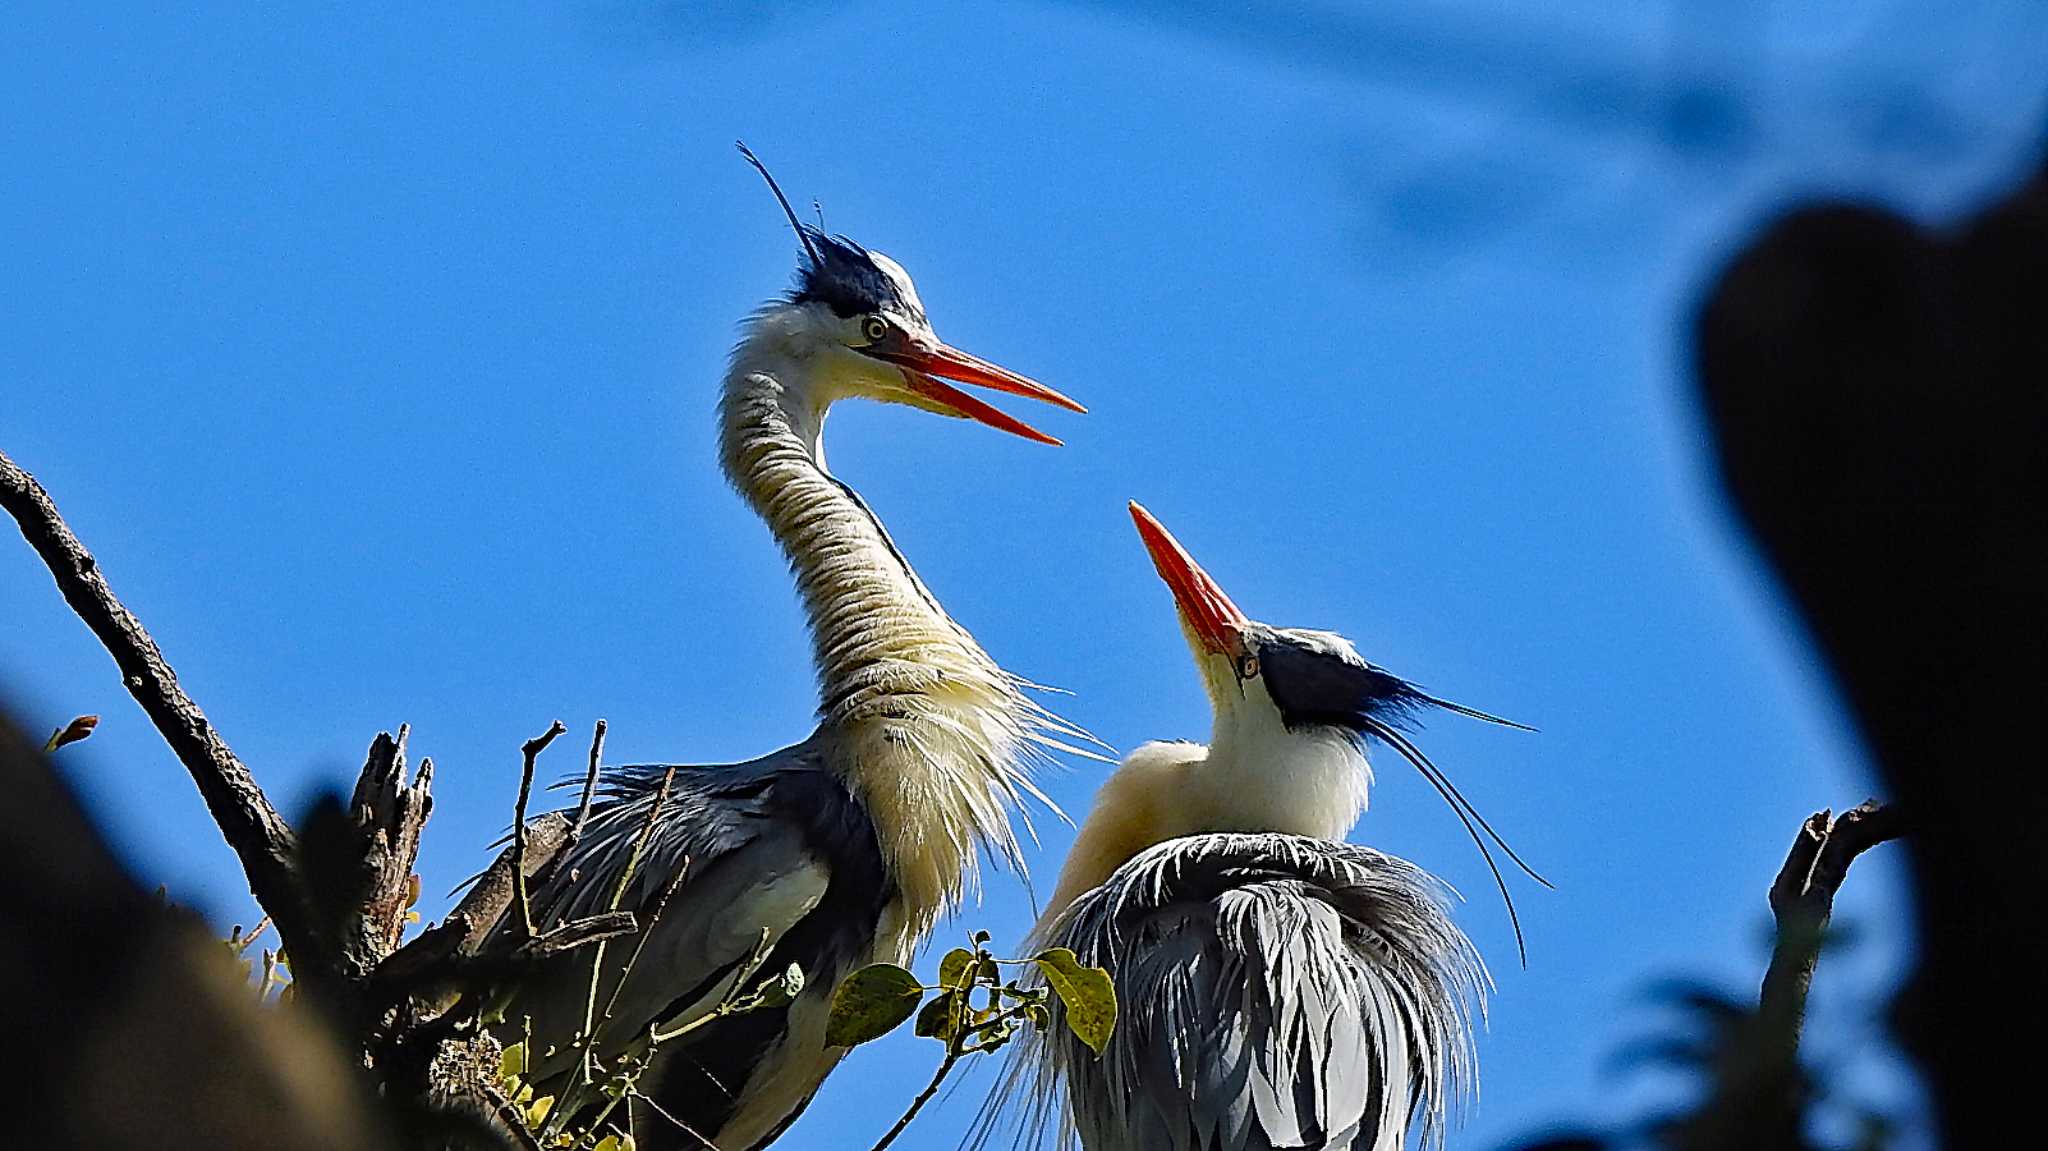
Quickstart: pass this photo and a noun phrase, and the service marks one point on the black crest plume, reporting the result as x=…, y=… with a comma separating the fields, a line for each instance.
x=803, y=235
x=1317, y=679
x=837, y=272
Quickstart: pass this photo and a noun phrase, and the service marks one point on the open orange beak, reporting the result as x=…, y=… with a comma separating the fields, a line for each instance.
x=922, y=367
x=1215, y=620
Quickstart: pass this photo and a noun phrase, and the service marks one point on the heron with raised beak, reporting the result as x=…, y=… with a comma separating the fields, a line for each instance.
x=1277, y=986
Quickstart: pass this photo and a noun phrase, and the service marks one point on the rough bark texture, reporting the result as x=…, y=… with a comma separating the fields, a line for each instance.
x=388, y=814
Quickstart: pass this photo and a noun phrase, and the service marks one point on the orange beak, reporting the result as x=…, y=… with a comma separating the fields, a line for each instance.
x=922, y=367
x=1215, y=620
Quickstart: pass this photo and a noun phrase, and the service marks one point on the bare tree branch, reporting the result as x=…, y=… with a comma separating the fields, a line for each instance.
x=338, y=888
x=530, y=751
x=1803, y=901
x=582, y=819
x=258, y=834
x=545, y=872
x=387, y=815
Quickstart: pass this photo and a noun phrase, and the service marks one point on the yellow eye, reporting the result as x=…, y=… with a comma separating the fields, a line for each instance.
x=1248, y=667
x=876, y=329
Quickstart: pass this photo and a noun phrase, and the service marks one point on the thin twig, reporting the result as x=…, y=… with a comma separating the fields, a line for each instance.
x=575, y=933
x=685, y=1128
x=242, y=942
x=957, y=1045
x=530, y=750
x=572, y=1098
x=589, y=788
x=729, y=1003
x=619, y=893
x=640, y=944
x=260, y=837
x=513, y=1119
x=923, y=1097
x=567, y=852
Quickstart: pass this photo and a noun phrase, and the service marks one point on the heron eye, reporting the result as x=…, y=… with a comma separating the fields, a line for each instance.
x=1248, y=666
x=876, y=329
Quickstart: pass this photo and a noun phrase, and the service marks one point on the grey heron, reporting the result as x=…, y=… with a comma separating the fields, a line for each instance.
x=1278, y=987
x=845, y=847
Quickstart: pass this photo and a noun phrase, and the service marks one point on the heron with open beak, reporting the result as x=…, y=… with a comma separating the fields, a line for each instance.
x=1277, y=987
x=845, y=847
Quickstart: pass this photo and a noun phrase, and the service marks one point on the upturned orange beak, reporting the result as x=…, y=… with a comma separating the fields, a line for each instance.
x=922, y=367
x=1215, y=620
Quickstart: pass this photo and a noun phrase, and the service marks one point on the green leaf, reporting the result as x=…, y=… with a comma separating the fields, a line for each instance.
x=941, y=1018
x=870, y=1003
x=538, y=1113
x=1085, y=992
x=996, y=1034
x=512, y=1061
x=954, y=967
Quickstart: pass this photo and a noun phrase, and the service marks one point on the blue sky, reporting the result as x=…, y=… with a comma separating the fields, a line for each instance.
x=375, y=357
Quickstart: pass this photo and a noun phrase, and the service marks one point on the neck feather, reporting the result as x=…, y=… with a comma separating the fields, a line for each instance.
x=927, y=731
x=1255, y=775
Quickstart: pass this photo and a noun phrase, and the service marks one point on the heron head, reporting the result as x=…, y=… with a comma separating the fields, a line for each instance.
x=867, y=326
x=1314, y=683
x=1313, y=679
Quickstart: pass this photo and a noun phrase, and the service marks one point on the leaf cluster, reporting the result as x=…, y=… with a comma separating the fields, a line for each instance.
x=972, y=1009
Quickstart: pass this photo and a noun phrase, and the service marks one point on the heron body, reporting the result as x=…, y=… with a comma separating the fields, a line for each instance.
x=1277, y=987
x=1275, y=991
x=843, y=848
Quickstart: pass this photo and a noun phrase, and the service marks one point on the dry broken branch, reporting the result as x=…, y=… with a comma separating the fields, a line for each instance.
x=530, y=750
x=258, y=834
x=1803, y=901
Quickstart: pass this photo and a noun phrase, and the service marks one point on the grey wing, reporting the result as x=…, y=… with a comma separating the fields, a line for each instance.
x=742, y=873
x=1274, y=991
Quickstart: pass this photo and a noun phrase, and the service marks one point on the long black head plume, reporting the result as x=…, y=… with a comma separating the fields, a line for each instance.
x=836, y=271
x=803, y=234
x=1319, y=679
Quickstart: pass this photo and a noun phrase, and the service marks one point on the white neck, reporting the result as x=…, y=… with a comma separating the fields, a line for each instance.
x=1255, y=775
x=925, y=729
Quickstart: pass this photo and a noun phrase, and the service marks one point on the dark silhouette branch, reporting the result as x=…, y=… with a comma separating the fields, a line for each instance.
x=260, y=837
x=339, y=888
x=1873, y=389
x=1803, y=902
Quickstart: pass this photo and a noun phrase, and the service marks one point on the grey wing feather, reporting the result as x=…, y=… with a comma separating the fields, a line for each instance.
x=1274, y=991
x=743, y=873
